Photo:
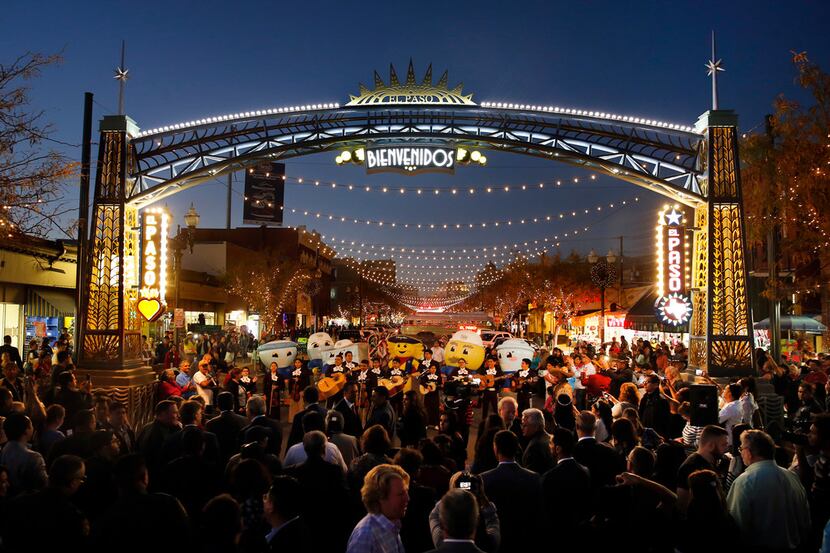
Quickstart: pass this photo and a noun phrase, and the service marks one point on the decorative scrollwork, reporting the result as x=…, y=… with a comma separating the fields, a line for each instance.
x=731, y=355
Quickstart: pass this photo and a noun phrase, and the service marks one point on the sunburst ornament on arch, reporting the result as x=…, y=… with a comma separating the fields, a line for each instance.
x=410, y=91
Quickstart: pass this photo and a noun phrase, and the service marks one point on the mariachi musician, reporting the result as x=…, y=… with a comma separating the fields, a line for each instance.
x=299, y=380
x=430, y=385
x=366, y=381
x=351, y=367
x=524, y=383
x=396, y=401
x=331, y=370
x=271, y=386
x=490, y=383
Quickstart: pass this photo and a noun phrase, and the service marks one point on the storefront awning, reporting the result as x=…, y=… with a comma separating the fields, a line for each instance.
x=50, y=303
x=642, y=317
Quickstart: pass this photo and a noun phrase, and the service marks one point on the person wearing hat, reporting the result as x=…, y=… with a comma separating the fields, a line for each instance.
x=204, y=382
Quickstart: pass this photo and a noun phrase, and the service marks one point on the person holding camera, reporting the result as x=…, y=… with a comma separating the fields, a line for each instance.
x=458, y=515
x=487, y=529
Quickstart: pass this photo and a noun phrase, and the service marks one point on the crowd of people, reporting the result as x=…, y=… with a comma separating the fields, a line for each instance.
x=574, y=452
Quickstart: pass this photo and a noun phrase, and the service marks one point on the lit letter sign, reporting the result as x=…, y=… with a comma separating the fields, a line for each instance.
x=410, y=159
x=673, y=306
x=151, y=302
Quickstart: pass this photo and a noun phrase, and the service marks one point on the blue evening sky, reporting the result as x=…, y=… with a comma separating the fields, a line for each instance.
x=194, y=59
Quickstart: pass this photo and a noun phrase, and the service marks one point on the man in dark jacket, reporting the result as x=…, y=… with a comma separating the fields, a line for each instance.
x=348, y=407
x=319, y=478
x=311, y=397
x=282, y=512
x=227, y=427
x=14, y=353
x=381, y=411
x=566, y=488
x=152, y=437
x=537, y=456
x=654, y=408
x=509, y=485
x=458, y=512
x=139, y=521
x=603, y=463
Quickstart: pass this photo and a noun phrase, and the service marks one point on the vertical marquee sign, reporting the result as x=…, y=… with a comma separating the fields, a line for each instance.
x=151, y=293
x=673, y=306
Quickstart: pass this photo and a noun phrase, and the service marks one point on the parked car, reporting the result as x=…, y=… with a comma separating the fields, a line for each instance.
x=488, y=337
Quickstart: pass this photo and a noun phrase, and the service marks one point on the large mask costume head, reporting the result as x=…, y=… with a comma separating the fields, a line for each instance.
x=281, y=352
x=316, y=343
x=405, y=348
x=511, y=352
x=466, y=345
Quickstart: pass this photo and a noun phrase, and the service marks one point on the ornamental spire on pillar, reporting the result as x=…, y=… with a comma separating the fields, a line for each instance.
x=121, y=76
x=714, y=65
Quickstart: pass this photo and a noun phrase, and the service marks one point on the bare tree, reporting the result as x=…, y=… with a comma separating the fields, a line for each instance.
x=33, y=174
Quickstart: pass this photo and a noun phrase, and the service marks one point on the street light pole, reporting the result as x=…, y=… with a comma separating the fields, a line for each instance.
x=603, y=276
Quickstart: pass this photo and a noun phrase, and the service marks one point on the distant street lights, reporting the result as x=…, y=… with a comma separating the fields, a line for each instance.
x=603, y=275
x=183, y=239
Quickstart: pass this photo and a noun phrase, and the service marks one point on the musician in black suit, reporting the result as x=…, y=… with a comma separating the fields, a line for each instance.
x=599, y=458
x=509, y=485
x=282, y=511
x=490, y=394
x=431, y=378
x=311, y=397
x=331, y=370
x=458, y=515
x=566, y=488
x=348, y=407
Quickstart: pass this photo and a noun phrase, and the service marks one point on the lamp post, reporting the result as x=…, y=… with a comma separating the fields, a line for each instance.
x=181, y=241
x=603, y=275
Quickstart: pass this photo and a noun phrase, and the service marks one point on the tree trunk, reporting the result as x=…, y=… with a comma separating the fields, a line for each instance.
x=824, y=264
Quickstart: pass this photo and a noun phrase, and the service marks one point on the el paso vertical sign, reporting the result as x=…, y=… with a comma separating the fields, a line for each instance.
x=674, y=254
x=151, y=301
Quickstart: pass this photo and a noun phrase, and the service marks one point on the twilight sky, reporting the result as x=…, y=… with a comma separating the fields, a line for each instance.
x=190, y=59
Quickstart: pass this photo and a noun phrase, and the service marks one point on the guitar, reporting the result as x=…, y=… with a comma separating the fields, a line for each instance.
x=394, y=385
x=489, y=380
x=411, y=382
x=330, y=385
x=429, y=388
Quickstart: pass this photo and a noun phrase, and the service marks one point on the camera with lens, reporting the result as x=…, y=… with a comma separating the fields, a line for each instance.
x=469, y=482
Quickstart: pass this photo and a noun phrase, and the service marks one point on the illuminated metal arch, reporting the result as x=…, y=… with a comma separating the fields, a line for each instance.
x=659, y=156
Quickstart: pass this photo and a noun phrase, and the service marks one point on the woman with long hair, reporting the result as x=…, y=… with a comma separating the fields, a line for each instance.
x=629, y=398
x=707, y=510
x=448, y=426
x=485, y=457
x=602, y=411
x=413, y=421
x=624, y=436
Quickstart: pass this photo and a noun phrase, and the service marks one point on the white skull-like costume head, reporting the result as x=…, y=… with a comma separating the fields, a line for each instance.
x=511, y=352
x=281, y=352
x=316, y=343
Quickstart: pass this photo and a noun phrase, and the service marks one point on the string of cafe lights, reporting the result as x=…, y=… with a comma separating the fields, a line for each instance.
x=453, y=191
x=460, y=226
x=451, y=254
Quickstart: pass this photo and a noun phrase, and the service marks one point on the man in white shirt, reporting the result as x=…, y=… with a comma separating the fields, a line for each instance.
x=296, y=453
x=438, y=353
x=204, y=382
x=767, y=502
x=731, y=413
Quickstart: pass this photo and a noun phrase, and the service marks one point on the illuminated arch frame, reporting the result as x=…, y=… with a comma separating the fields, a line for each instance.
x=696, y=166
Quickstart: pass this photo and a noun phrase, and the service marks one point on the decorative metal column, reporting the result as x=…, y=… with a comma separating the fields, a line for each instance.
x=110, y=337
x=721, y=334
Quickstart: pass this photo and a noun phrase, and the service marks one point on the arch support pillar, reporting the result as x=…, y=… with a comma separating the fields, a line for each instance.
x=110, y=335
x=721, y=331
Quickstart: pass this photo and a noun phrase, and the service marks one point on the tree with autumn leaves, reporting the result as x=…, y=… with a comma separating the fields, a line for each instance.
x=786, y=186
x=34, y=173
x=552, y=285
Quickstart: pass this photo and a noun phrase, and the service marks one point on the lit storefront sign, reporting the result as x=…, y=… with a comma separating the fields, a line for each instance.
x=151, y=294
x=673, y=306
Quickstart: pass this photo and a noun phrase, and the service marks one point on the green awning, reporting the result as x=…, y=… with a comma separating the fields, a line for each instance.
x=50, y=303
